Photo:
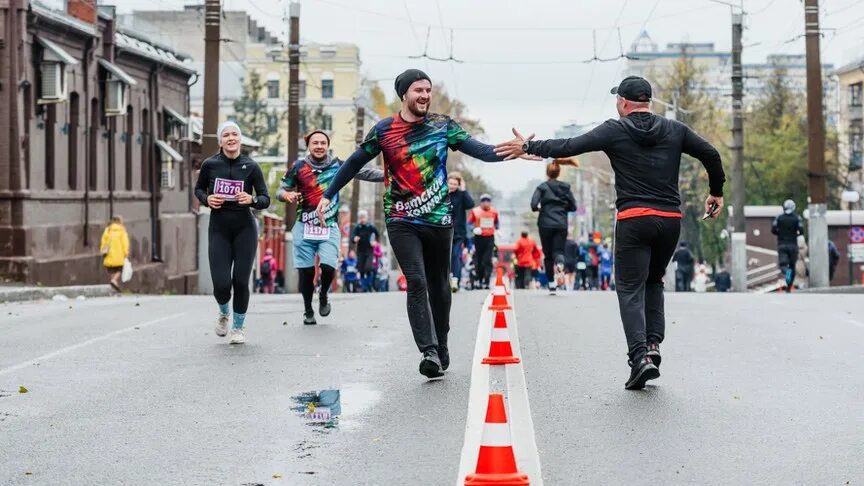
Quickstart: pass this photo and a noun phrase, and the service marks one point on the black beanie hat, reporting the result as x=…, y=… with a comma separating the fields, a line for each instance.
x=404, y=80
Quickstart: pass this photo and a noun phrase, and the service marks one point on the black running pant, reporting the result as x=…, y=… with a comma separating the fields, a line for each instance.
x=553, y=241
x=523, y=277
x=423, y=253
x=233, y=243
x=307, y=284
x=483, y=248
x=643, y=248
x=787, y=257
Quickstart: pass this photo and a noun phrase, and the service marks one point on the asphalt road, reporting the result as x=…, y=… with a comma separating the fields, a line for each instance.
x=755, y=390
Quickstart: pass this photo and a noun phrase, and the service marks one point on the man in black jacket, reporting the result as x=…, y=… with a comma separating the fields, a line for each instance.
x=787, y=227
x=460, y=201
x=645, y=151
x=686, y=264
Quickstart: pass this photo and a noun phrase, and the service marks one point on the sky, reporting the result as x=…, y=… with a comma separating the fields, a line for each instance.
x=522, y=60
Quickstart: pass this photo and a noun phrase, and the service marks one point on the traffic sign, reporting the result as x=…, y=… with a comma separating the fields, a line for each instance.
x=856, y=252
x=856, y=234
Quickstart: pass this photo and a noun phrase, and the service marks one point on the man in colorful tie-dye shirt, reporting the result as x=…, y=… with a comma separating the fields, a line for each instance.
x=417, y=206
x=304, y=183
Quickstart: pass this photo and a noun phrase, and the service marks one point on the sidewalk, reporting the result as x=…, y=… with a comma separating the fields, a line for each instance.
x=19, y=294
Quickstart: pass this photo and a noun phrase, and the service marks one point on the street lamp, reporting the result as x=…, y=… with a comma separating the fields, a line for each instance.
x=850, y=198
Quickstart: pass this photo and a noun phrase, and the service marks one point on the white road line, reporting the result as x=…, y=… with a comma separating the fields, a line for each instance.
x=518, y=413
x=521, y=423
x=478, y=396
x=88, y=342
x=857, y=323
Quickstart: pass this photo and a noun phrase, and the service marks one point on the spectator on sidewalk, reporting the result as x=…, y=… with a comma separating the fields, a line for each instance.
x=460, y=202
x=363, y=235
x=268, y=272
x=833, y=260
x=115, y=250
x=722, y=280
x=350, y=274
x=684, y=273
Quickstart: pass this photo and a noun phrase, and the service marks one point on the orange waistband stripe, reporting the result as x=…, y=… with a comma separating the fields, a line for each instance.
x=642, y=212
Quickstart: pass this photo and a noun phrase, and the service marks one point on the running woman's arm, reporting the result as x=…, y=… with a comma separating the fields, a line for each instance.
x=535, y=200
x=201, y=183
x=262, y=197
x=593, y=141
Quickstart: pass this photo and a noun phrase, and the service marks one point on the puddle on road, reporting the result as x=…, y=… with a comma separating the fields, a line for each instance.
x=329, y=408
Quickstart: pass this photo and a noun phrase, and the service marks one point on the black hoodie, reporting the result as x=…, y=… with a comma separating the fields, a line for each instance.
x=645, y=151
x=242, y=168
x=554, y=200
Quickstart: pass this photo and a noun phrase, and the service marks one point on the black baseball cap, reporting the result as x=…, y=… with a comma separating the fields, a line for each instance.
x=633, y=88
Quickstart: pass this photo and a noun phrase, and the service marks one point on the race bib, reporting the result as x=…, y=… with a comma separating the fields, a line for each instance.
x=487, y=223
x=315, y=232
x=227, y=188
x=581, y=266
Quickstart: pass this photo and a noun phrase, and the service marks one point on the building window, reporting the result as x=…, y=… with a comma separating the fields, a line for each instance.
x=93, y=163
x=74, y=123
x=130, y=140
x=272, y=123
x=856, y=146
x=302, y=87
x=327, y=122
x=50, y=134
x=168, y=173
x=304, y=127
x=326, y=88
x=273, y=88
x=855, y=94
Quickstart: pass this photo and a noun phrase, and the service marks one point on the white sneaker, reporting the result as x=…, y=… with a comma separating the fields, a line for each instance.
x=454, y=284
x=238, y=336
x=222, y=325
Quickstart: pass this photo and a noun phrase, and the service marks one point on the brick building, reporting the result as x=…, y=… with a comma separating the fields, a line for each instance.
x=94, y=123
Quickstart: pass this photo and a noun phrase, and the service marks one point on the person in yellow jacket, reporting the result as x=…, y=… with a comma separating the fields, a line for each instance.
x=115, y=249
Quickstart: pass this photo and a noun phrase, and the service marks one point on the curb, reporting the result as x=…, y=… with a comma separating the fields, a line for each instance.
x=845, y=289
x=22, y=294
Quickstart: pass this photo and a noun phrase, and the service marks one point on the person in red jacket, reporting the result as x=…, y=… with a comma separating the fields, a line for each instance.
x=527, y=256
x=268, y=272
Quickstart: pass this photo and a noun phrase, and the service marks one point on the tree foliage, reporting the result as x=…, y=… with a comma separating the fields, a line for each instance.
x=255, y=118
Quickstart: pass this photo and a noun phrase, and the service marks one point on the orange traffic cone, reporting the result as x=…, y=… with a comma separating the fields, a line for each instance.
x=499, y=280
x=500, y=350
x=496, y=463
x=499, y=300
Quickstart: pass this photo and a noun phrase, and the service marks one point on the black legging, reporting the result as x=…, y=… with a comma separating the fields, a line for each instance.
x=484, y=247
x=307, y=284
x=233, y=238
x=553, y=241
x=423, y=253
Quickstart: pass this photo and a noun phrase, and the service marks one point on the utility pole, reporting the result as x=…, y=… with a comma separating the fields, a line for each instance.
x=212, y=18
x=739, y=232
x=818, y=224
x=355, y=184
x=294, y=83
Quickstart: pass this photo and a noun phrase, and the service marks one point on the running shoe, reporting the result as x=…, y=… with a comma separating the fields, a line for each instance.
x=552, y=289
x=309, y=318
x=430, y=365
x=222, y=325
x=560, y=276
x=654, y=354
x=444, y=355
x=454, y=284
x=323, y=308
x=238, y=336
x=641, y=372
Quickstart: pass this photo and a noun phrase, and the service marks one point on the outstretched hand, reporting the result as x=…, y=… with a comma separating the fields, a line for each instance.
x=512, y=149
x=322, y=208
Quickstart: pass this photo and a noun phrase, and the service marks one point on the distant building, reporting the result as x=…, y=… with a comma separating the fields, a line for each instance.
x=96, y=127
x=646, y=60
x=850, y=130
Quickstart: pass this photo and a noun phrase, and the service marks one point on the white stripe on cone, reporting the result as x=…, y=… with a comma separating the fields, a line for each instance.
x=500, y=334
x=496, y=435
x=499, y=290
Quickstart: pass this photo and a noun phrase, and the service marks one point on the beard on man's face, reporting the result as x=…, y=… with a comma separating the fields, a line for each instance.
x=417, y=109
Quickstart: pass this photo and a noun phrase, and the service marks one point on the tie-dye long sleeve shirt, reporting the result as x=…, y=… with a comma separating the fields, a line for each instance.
x=415, y=166
x=311, y=180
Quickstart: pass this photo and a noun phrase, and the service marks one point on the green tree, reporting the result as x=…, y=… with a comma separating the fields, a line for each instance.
x=257, y=120
x=684, y=86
